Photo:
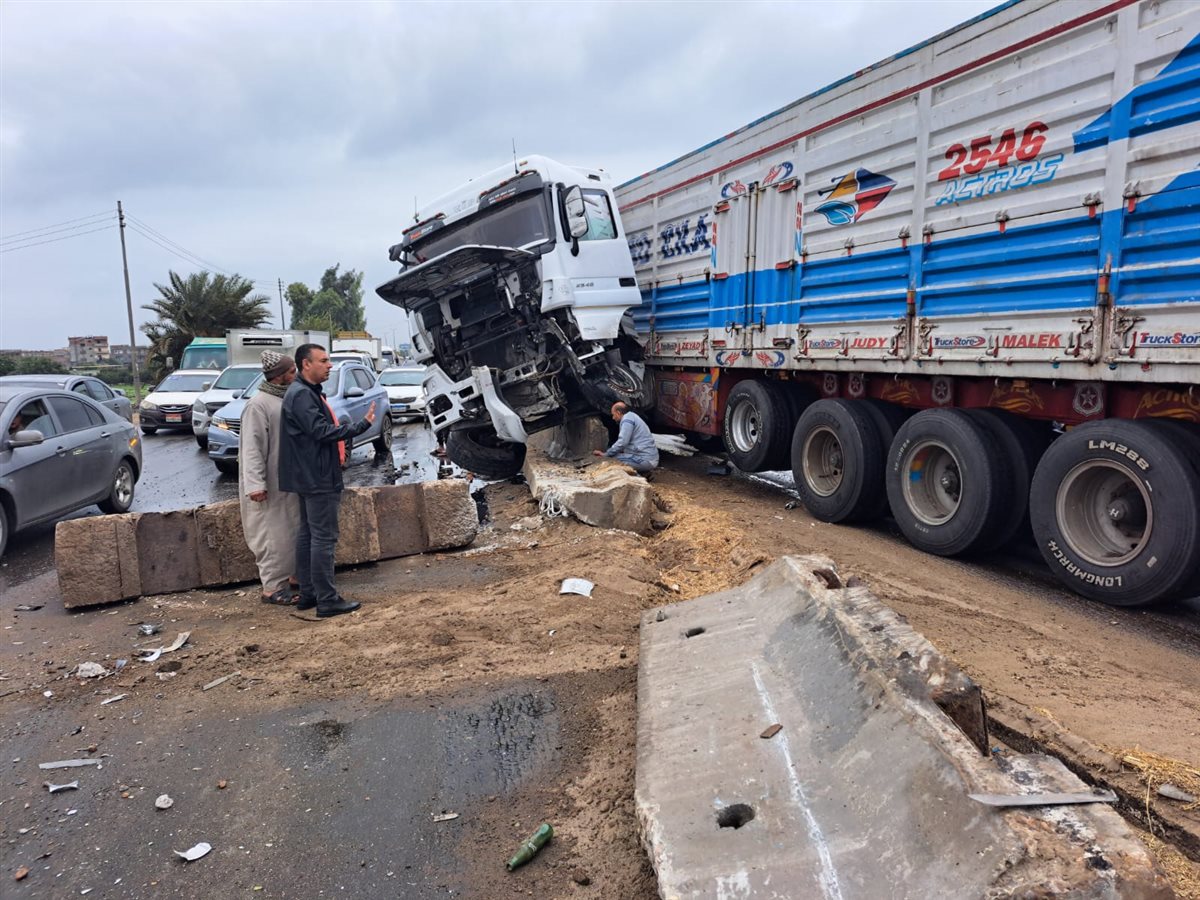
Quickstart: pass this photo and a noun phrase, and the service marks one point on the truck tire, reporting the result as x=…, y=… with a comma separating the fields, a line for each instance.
x=888, y=418
x=947, y=487
x=838, y=461
x=484, y=454
x=1023, y=444
x=756, y=428
x=1189, y=434
x=1115, y=508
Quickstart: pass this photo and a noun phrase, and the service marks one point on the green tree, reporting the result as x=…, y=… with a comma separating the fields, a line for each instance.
x=336, y=305
x=38, y=365
x=7, y=364
x=200, y=305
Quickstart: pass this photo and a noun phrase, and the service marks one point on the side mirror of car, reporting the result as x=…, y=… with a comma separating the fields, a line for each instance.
x=120, y=392
x=343, y=420
x=353, y=392
x=237, y=395
x=28, y=438
x=204, y=386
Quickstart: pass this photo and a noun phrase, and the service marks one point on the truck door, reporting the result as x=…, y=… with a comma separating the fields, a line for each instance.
x=736, y=218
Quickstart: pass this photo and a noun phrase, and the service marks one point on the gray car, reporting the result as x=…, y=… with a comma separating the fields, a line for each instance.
x=86, y=385
x=59, y=452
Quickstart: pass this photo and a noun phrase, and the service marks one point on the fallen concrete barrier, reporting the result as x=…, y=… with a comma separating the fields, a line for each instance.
x=103, y=559
x=605, y=494
x=798, y=739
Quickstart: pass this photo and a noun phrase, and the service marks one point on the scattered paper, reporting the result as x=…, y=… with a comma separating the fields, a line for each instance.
x=219, y=681
x=55, y=788
x=69, y=764
x=113, y=699
x=445, y=817
x=580, y=586
x=27, y=607
x=152, y=655
x=191, y=855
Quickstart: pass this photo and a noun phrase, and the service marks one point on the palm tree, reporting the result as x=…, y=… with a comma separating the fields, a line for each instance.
x=200, y=305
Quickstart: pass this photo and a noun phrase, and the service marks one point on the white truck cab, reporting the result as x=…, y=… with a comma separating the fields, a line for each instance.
x=518, y=287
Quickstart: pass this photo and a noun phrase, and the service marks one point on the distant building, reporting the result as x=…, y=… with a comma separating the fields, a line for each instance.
x=91, y=350
x=119, y=355
x=61, y=356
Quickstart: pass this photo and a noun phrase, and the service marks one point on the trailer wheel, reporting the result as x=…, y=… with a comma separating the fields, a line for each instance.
x=1115, y=508
x=756, y=429
x=946, y=485
x=888, y=418
x=1023, y=443
x=1189, y=434
x=838, y=460
x=484, y=454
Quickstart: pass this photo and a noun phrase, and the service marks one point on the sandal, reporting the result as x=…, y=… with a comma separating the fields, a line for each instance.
x=282, y=597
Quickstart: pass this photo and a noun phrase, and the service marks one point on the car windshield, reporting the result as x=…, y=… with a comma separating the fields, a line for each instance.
x=184, y=383
x=412, y=377
x=235, y=379
x=252, y=388
x=514, y=224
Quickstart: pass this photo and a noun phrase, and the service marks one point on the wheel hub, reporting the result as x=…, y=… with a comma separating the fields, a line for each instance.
x=932, y=482
x=1105, y=514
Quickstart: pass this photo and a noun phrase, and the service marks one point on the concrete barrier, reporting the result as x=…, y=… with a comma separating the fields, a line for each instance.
x=862, y=790
x=605, y=494
x=103, y=559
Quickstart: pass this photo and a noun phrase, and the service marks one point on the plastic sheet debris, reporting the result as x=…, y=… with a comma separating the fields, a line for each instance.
x=163, y=801
x=530, y=848
x=580, y=586
x=69, y=764
x=1047, y=799
x=217, y=682
x=551, y=505
x=149, y=629
x=27, y=607
x=675, y=444
x=445, y=817
x=1173, y=793
x=55, y=788
x=90, y=670
x=152, y=655
x=194, y=853
x=113, y=699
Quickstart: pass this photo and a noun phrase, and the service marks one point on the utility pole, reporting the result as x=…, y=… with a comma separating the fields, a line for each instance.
x=137, y=376
x=282, y=320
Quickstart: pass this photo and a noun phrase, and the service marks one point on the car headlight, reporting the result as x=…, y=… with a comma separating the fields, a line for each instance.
x=146, y=404
x=220, y=422
x=198, y=406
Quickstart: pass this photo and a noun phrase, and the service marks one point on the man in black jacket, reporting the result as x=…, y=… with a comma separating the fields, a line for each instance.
x=310, y=464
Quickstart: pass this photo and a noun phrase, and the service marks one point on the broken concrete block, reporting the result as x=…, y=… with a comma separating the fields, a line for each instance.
x=223, y=554
x=96, y=560
x=168, y=551
x=358, y=532
x=449, y=514
x=399, y=514
x=606, y=495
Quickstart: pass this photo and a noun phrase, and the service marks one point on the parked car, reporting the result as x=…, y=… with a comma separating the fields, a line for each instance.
x=229, y=386
x=86, y=385
x=351, y=389
x=351, y=356
x=61, y=451
x=405, y=386
x=170, y=404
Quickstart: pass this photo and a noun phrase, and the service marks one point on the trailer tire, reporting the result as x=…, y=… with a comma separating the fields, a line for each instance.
x=888, y=418
x=946, y=487
x=484, y=454
x=756, y=429
x=1115, y=508
x=838, y=460
x=1023, y=444
x=1189, y=434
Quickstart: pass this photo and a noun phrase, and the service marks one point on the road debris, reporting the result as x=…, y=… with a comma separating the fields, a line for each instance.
x=445, y=817
x=163, y=801
x=217, y=682
x=69, y=764
x=771, y=731
x=90, y=670
x=1047, y=799
x=153, y=655
x=27, y=607
x=1173, y=793
x=113, y=699
x=194, y=853
x=580, y=586
x=21, y=874
x=149, y=629
x=222, y=784
x=530, y=848
x=55, y=788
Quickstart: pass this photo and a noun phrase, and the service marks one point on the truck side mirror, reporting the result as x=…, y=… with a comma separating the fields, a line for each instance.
x=577, y=223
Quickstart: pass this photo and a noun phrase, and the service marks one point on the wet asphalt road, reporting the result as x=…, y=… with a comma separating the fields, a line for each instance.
x=177, y=474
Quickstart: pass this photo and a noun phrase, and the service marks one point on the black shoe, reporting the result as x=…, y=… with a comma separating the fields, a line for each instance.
x=306, y=604
x=338, y=608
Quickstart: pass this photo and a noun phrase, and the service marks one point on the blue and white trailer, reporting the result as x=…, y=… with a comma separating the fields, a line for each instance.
x=963, y=283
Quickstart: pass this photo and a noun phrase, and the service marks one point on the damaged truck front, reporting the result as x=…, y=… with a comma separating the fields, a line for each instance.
x=518, y=288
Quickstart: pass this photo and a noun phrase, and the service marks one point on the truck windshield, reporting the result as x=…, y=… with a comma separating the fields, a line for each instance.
x=516, y=224
x=203, y=358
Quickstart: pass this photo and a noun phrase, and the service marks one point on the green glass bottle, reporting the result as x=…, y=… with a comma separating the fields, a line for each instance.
x=529, y=849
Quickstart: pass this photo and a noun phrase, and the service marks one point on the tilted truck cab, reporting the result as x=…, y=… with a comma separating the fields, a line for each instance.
x=518, y=288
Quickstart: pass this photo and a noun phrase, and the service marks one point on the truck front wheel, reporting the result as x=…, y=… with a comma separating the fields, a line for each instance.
x=484, y=454
x=757, y=427
x=1115, y=508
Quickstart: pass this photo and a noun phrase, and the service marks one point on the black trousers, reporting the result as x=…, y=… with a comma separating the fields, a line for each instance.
x=315, y=540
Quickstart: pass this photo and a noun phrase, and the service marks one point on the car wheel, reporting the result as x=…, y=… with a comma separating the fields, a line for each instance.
x=120, y=498
x=202, y=441
x=758, y=427
x=225, y=466
x=485, y=454
x=4, y=529
x=383, y=443
x=149, y=429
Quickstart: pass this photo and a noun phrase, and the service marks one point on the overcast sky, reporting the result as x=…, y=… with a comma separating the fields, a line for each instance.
x=276, y=139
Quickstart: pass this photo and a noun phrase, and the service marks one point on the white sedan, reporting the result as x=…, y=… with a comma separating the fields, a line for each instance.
x=405, y=390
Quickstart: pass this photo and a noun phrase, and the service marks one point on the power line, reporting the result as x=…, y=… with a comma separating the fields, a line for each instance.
x=55, y=240
x=159, y=234
x=6, y=237
x=48, y=232
x=183, y=253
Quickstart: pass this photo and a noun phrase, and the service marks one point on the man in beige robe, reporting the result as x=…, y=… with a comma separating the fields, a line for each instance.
x=270, y=517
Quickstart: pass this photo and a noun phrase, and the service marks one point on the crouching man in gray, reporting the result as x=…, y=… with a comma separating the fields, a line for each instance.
x=311, y=455
x=634, y=445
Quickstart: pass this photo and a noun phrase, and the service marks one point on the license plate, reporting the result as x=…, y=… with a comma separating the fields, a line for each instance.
x=172, y=418
x=400, y=407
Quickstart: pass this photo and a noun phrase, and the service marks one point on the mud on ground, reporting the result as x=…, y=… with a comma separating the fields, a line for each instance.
x=440, y=627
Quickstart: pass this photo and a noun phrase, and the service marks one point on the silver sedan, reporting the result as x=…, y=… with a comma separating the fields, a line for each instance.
x=86, y=385
x=59, y=452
